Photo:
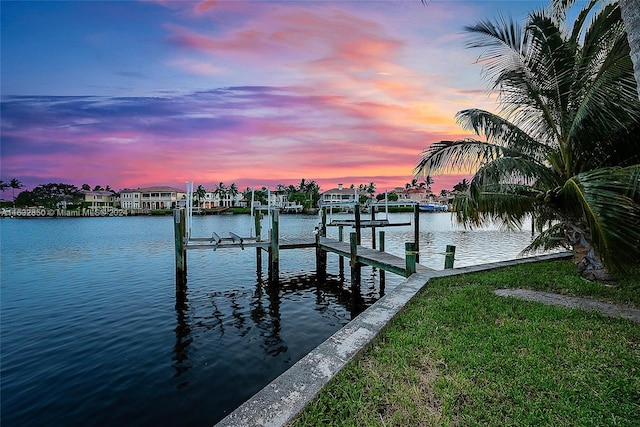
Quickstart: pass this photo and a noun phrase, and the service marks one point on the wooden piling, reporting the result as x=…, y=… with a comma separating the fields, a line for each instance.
x=258, y=224
x=274, y=247
x=179, y=232
x=410, y=258
x=353, y=261
x=340, y=257
x=356, y=211
x=383, y=274
x=323, y=230
x=353, y=247
x=416, y=230
x=356, y=277
x=259, y=261
x=321, y=260
x=373, y=228
x=449, y=256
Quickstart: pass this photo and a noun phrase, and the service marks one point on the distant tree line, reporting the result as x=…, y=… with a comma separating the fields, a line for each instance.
x=49, y=195
x=306, y=193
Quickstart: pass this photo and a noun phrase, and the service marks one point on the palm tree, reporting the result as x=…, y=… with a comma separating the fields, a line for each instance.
x=4, y=186
x=200, y=194
x=428, y=181
x=233, y=192
x=15, y=185
x=371, y=189
x=462, y=186
x=564, y=148
x=221, y=192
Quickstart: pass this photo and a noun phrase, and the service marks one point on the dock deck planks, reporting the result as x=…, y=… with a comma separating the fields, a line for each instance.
x=371, y=257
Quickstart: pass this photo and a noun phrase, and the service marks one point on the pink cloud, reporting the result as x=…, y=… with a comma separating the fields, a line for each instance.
x=343, y=96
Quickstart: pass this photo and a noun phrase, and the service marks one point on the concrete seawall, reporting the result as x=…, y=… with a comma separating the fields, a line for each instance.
x=281, y=400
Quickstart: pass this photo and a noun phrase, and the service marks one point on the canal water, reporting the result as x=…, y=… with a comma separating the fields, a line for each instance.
x=92, y=335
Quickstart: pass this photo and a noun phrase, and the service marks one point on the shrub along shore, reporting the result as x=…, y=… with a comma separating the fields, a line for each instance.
x=460, y=355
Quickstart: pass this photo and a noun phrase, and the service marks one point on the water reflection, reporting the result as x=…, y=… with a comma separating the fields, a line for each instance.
x=257, y=314
x=181, y=362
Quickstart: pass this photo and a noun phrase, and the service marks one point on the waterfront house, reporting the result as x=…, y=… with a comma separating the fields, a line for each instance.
x=208, y=201
x=213, y=199
x=99, y=200
x=338, y=196
x=130, y=199
x=279, y=198
x=150, y=198
x=414, y=195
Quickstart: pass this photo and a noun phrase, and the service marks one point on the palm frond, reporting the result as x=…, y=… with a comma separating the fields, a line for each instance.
x=516, y=170
x=605, y=76
x=607, y=199
x=466, y=211
x=507, y=209
x=531, y=74
x=501, y=131
x=578, y=24
x=502, y=40
x=459, y=155
x=506, y=206
x=550, y=238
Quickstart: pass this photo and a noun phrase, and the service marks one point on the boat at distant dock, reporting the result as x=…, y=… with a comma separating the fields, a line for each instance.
x=433, y=207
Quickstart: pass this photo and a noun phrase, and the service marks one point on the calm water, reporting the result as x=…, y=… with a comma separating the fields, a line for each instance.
x=91, y=333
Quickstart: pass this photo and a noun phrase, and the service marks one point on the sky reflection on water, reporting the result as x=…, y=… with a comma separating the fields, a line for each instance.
x=92, y=333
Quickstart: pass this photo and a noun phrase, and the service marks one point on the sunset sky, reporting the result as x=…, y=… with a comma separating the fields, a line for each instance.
x=141, y=93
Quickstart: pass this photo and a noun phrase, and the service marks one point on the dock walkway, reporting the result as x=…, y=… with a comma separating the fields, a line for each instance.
x=248, y=242
x=374, y=258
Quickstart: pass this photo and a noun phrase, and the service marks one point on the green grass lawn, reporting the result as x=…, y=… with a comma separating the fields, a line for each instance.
x=458, y=355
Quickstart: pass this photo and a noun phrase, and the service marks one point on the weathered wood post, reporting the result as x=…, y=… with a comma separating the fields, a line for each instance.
x=321, y=259
x=383, y=274
x=449, y=256
x=373, y=228
x=353, y=260
x=259, y=261
x=416, y=230
x=179, y=233
x=274, y=247
x=258, y=224
x=258, y=227
x=410, y=258
x=353, y=249
x=323, y=230
x=356, y=211
x=340, y=257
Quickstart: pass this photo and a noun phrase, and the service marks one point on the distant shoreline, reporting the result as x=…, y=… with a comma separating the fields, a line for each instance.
x=41, y=212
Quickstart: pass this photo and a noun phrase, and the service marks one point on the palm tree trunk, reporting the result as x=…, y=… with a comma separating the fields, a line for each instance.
x=630, y=10
x=585, y=258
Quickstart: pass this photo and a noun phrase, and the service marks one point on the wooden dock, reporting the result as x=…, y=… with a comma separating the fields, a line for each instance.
x=371, y=257
x=284, y=243
x=352, y=249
